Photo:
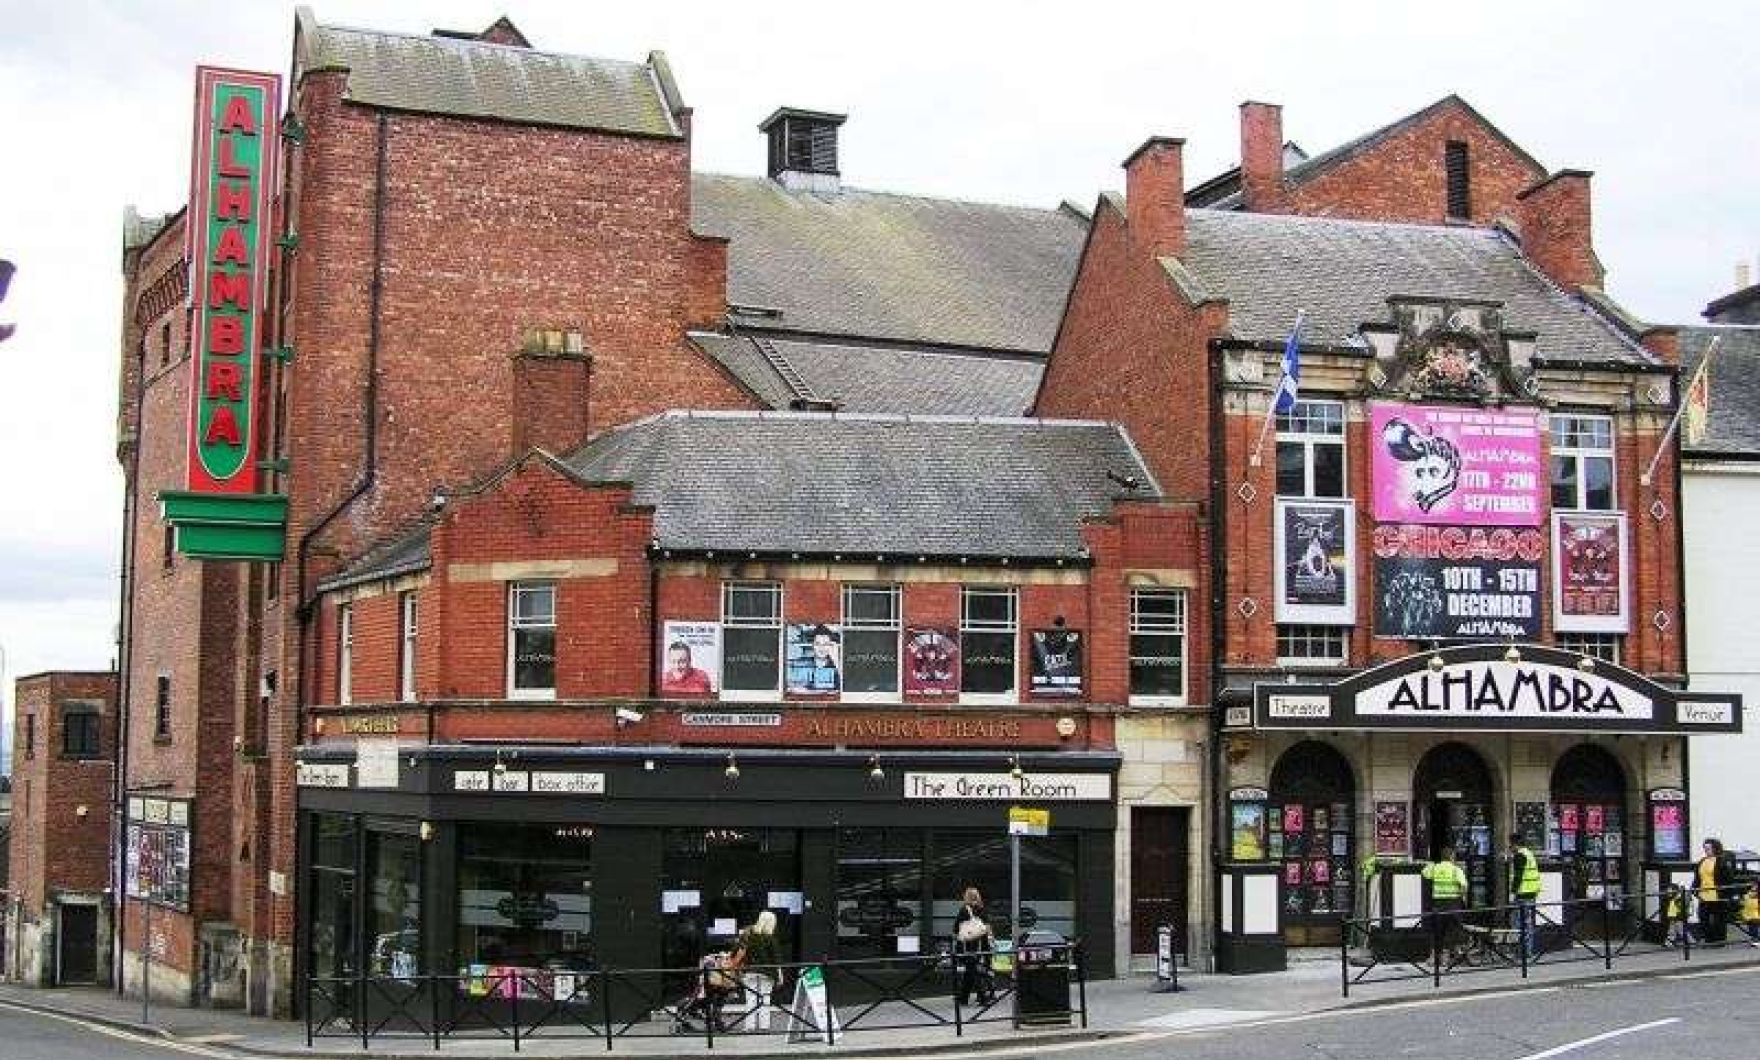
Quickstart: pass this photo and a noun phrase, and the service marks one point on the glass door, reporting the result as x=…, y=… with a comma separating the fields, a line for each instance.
x=715, y=881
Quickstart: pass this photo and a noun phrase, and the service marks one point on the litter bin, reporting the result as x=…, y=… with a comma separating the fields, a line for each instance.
x=1041, y=978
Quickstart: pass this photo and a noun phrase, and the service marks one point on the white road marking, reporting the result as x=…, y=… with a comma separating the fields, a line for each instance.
x=1568, y=1047
x=1188, y=1018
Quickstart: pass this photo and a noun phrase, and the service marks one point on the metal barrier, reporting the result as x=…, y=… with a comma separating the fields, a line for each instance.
x=605, y=1004
x=1490, y=938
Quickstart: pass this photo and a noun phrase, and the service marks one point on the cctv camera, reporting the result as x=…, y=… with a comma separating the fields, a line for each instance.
x=626, y=716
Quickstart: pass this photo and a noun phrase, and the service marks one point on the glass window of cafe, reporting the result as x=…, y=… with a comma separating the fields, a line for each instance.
x=899, y=889
x=525, y=896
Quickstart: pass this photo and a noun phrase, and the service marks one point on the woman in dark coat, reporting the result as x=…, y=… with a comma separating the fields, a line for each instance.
x=1714, y=886
x=971, y=947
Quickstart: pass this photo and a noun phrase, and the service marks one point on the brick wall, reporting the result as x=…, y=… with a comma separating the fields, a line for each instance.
x=53, y=848
x=1402, y=177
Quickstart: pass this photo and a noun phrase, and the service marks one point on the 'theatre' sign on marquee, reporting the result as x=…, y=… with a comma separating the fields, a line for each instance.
x=236, y=132
x=233, y=165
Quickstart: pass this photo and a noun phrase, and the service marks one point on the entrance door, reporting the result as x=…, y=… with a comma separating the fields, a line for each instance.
x=1453, y=792
x=717, y=880
x=1159, y=870
x=79, y=945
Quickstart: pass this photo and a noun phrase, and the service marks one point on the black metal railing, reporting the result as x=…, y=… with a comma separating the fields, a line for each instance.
x=1439, y=945
x=820, y=1001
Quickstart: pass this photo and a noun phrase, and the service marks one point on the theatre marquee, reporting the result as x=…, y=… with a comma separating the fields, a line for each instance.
x=1493, y=688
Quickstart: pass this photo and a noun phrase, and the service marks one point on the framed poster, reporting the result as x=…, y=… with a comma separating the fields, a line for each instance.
x=931, y=661
x=1668, y=823
x=814, y=663
x=1246, y=830
x=1442, y=465
x=1590, y=570
x=1531, y=825
x=1057, y=662
x=1457, y=582
x=690, y=658
x=1391, y=836
x=1316, y=562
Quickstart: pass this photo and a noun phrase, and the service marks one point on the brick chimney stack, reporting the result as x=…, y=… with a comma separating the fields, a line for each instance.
x=1555, y=229
x=1262, y=157
x=1155, y=196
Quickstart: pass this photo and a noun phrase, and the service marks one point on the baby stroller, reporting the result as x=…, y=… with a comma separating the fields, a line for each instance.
x=714, y=988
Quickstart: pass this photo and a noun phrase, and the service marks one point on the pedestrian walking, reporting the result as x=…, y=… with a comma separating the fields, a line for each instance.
x=1674, y=916
x=971, y=947
x=1751, y=912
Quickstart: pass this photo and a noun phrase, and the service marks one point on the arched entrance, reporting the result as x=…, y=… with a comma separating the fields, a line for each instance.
x=1454, y=795
x=1311, y=832
x=1588, y=819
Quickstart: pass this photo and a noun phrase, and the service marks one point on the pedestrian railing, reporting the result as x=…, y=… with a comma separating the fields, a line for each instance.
x=1441, y=945
x=818, y=1001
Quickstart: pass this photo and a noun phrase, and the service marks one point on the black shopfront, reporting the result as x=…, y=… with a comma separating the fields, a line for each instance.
x=555, y=861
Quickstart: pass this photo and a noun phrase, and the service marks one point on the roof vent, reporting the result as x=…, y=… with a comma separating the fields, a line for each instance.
x=803, y=148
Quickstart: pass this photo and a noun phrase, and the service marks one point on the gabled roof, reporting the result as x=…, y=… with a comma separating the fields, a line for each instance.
x=877, y=378
x=1341, y=273
x=1733, y=428
x=470, y=78
x=404, y=553
x=822, y=484
x=1326, y=160
x=1734, y=299
x=896, y=268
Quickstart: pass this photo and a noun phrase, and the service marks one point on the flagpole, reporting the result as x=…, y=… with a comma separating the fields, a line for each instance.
x=1680, y=410
x=1271, y=413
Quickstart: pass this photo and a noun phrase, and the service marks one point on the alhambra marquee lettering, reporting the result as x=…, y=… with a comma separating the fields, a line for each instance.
x=1496, y=688
x=1503, y=689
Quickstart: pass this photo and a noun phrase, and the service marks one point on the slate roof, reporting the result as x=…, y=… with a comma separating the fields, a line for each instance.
x=863, y=378
x=1342, y=272
x=822, y=484
x=1733, y=428
x=477, y=79
x=893, y=267
x=405, y=553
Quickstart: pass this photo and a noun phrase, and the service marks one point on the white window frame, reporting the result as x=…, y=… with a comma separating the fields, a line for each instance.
x=1314, y=634
x=406, y=646
x=1603, y=647
x=1578, y=453
x=1012, y=625
x=345, y=654
x=514, y=622
x=1154, y=626
x=1289, y=433
x=866, y=625
x=729, y=620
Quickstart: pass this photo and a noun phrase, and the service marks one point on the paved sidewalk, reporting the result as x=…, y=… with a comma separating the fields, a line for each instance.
x=1116, y=1007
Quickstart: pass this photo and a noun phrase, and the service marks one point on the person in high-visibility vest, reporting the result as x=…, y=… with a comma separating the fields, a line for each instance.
x=1524, y=889
x=1448, y=896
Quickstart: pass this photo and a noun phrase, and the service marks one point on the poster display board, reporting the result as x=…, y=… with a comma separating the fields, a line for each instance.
x=1590, y=572
x=1247, y=808
x=1668, y=824
x=690, y=659
x=931, y=661
x=1057, y=662
x=1392, y=829
x=814, y=665
x=1457, y=582
x=1443, y=465
x=156, y=864
x=1316, y=562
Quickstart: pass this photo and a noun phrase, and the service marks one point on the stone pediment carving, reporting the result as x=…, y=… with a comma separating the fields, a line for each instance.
x=1451, y=349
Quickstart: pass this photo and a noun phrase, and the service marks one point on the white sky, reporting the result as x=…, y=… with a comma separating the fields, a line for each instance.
x=1014, y=102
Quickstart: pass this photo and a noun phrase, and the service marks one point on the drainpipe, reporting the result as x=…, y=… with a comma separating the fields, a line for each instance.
x=124, y=670
x=1218, y=633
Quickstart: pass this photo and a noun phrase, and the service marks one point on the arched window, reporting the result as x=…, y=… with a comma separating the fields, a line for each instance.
x=1587, y=821
x=1455, y=794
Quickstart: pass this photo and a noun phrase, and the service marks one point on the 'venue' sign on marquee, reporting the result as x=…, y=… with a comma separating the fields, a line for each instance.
x=234, y=152
x=1492, y=688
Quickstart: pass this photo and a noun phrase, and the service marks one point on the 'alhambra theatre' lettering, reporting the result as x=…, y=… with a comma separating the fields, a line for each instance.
x=236, y=138
x=1496, y=691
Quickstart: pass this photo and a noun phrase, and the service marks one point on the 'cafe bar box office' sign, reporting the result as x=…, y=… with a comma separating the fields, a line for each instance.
x=1477, y=688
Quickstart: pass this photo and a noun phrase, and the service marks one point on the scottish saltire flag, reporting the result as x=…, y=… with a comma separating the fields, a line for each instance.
x=1288, y=384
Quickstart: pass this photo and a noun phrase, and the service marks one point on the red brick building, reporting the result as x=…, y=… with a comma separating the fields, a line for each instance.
x=1459, y=493
x=63, y=774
